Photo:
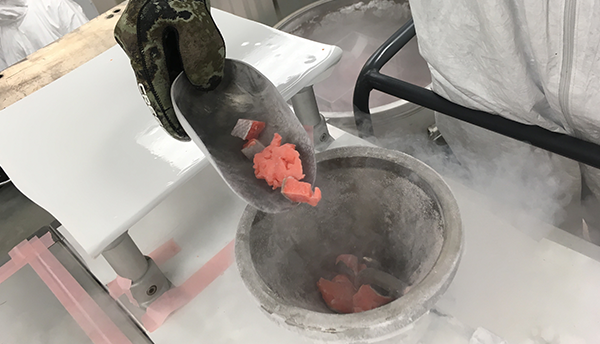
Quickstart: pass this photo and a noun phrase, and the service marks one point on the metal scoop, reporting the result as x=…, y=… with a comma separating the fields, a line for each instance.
x=208, y=117
x=373, y=275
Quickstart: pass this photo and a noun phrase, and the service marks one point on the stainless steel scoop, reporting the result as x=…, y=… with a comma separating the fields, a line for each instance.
x=375, y=276
x=208, y=117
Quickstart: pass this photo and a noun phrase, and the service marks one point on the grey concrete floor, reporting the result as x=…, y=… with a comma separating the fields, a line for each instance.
x=19, y=218
x=29, y=313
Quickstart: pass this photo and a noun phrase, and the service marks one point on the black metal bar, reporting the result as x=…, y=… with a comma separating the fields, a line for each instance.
x=362, y=90
x=565, y=145
x=277, y=10
x=370, y=78
x=362, y=116
x=391, y=46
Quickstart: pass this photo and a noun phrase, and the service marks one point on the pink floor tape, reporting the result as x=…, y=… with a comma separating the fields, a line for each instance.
x=159, y=310
x=47, y=240
x=172, y=300
x=165, y=252
x=120, y=286
x=9, y=269
x=11, y=266
x=84, y=310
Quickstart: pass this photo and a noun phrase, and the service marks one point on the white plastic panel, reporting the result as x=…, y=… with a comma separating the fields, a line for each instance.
x=87, y=149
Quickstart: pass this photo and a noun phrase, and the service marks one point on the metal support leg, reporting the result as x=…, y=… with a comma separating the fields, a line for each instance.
x=307, y=111
x=147, y=281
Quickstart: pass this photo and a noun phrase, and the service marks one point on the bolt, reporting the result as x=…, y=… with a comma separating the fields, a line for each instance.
x=152, y=290
x=323, y=137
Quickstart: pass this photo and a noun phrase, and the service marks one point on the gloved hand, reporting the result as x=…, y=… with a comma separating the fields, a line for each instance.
x=163, y=38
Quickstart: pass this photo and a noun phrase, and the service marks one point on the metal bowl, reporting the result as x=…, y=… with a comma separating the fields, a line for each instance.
x=359, y=28
x=377, y=203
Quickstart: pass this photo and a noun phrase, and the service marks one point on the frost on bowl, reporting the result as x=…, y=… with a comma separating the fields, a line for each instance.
x=376, y=203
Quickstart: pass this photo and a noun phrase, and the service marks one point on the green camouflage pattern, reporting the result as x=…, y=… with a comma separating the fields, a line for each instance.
x=163, y=38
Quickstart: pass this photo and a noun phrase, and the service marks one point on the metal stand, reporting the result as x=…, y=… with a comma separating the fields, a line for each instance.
x=307, y=111
x=147, y=281
x=370, y=79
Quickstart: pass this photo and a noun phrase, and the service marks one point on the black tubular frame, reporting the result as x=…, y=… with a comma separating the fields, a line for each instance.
x=370, y=78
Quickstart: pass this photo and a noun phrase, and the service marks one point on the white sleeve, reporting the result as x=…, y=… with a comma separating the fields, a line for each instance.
x=3, y=64
x=70, y=16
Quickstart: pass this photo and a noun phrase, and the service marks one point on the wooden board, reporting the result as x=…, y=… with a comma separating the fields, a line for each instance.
x=59, y=58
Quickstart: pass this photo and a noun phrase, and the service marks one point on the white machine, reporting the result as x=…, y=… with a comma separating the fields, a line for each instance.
x=86, y=149
x=116, y=164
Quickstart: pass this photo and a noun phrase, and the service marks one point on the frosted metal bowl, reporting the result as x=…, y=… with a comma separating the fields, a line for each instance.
x=359, y=28
x=376, y=203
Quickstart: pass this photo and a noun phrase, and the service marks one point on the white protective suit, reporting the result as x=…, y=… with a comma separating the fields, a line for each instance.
x=28, y=25
x=532, y=61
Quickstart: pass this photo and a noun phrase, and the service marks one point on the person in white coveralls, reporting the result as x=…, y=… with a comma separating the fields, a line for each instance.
x=28, y=25
x=533, y=61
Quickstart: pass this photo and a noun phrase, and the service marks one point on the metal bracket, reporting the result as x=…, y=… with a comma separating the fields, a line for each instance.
x=147, y=281
x=307, y=111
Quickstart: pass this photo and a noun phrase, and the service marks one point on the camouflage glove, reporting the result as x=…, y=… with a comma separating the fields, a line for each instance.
x=163, y=38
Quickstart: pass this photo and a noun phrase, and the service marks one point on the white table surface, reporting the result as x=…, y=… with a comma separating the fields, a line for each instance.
x=511, y=281
x=87, y=149
x=532, y=284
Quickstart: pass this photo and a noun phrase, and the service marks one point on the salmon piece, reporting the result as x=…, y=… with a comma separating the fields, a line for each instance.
x=277, y=162
x=338, y=293
x=367, y=298
x=251, y=148
x=297, y=191
x=315, y=198
x=247, y=129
